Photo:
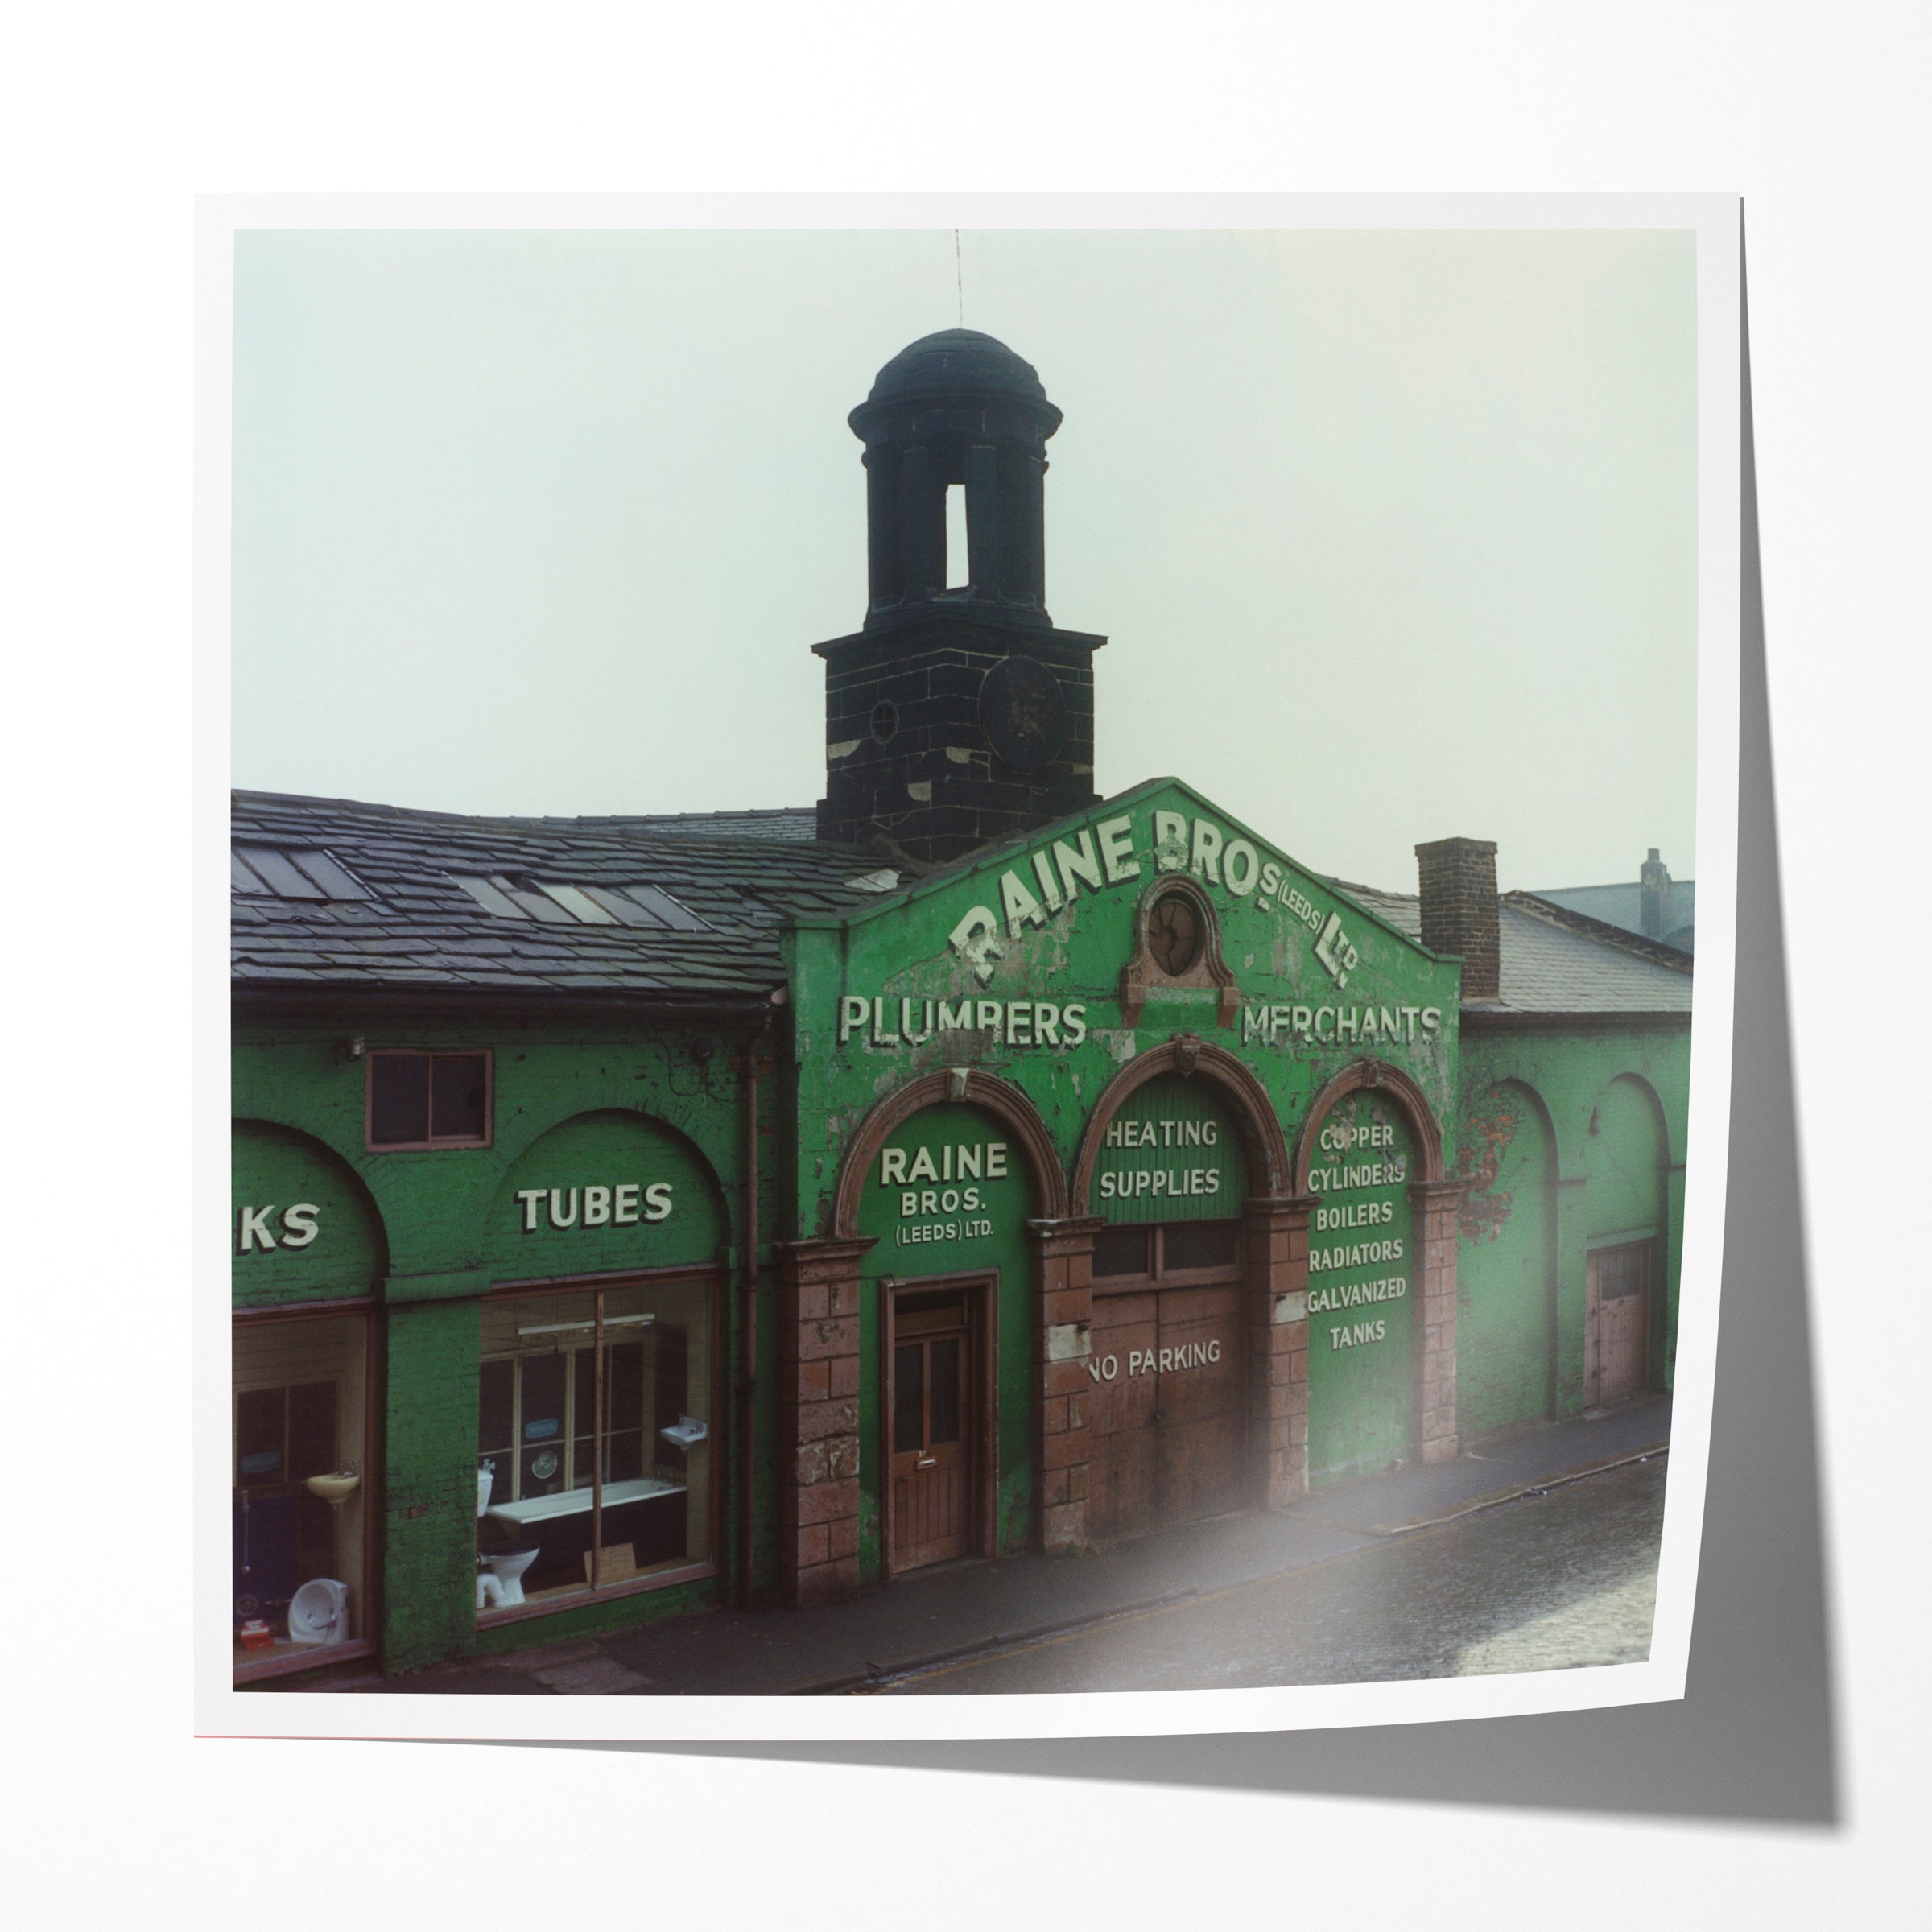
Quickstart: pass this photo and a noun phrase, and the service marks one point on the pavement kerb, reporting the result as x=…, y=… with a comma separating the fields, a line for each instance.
x=1495, y=1498
x=832, y=1682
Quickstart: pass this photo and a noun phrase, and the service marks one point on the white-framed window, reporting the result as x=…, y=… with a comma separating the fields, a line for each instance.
x=299, y=1479
x=593, y=1432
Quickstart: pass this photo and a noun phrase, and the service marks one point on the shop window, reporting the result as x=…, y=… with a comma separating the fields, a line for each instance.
x=299, y=1453
x=593, y=1415
x=1166, y=1250
x=429, y=1100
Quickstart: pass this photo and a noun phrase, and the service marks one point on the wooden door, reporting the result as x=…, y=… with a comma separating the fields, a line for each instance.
x=1617, y=1323
x=933, y=1455
x=1166, y=1420
x=1198, y=1416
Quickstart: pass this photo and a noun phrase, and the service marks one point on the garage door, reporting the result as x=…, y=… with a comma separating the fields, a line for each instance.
x=1166, y=1413
x=1166, y=1420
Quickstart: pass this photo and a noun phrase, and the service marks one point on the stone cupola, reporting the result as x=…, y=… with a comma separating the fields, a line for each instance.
x=958, y=714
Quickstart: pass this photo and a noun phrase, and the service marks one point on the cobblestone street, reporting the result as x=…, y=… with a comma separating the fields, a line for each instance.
x=1546, y=1583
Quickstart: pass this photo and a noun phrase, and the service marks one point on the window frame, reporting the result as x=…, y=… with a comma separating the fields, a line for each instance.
x=1159, y=1275
x=373, y=1338
x=713, y=1278
x=432, y=1054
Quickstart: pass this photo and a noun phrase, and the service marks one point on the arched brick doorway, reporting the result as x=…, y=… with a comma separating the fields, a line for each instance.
x=836, y=1502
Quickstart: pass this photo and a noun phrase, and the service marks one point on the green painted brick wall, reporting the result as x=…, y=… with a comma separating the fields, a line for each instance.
x=1626, y=1176
x=429, y=1499
x=425, y=1232
x=1506, y=1321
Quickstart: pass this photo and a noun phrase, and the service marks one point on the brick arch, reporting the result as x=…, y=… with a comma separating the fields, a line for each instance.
x=1376, y=1076
x=950, y=1087
x=1628, y=1076
x=1189, y=1056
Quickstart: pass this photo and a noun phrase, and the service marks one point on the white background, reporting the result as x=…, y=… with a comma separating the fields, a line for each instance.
x=115, y=117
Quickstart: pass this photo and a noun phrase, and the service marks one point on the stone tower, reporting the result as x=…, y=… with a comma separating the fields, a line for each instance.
x=958, y=714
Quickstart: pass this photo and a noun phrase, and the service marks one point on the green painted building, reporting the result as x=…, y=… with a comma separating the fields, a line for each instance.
x=632, y=1215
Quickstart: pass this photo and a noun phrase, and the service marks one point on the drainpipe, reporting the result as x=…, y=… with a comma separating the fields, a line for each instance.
x=748, y=1287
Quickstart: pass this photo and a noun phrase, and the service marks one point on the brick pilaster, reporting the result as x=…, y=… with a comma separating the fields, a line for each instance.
x=1062, y=1261
x=818, y=1419
x=1276, y=1252
x=1434, y=1209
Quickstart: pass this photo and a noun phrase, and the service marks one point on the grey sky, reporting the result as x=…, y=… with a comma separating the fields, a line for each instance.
x=1394, y=533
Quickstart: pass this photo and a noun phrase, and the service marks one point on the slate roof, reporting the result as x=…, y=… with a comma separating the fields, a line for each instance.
x=741, y=873
x=795, y=824
x=1556, y=961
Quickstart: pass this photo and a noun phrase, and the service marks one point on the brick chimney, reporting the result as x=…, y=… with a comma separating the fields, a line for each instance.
x=1653, y=896
x=1459, y=909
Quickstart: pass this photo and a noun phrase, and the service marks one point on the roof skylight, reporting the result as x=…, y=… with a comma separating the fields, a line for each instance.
x=556, y=902
x=269, y=871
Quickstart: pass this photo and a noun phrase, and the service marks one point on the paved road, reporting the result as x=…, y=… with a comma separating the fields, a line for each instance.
x=1548, y=1583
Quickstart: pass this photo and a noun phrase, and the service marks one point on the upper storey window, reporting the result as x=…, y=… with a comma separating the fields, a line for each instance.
x=429, y=1100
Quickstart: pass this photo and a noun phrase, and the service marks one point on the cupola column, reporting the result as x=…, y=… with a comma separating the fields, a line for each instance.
x=921, y=522
x=1025, y=520
x=982, y=550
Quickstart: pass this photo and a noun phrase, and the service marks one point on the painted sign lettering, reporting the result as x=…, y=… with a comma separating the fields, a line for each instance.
x=621, y=1204
x=1357, y=1333
x=1169, y=1155
x=910, y=1023
x=1366, y=1132
x=1332, y=1026
x=300, y=1224
x=1155, y=1361
x=1046, y=881
x=956, y=1167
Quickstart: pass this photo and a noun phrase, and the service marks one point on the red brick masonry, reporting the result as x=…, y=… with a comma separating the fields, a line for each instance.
x=818, y=1419
x=1063, y=1262
x=1276, y=1301
x=1434, y=1206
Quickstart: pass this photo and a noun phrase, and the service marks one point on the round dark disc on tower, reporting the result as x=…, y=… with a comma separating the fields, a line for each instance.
x=1023, y=713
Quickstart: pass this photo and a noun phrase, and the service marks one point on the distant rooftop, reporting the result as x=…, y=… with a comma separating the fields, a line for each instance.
x=1622, y=905
x=1555, y=960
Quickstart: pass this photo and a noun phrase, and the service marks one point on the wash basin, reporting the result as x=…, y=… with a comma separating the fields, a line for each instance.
x=576, y=1502
x=332, y=1489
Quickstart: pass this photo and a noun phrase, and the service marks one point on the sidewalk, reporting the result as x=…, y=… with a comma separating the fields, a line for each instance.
x=958, y=1608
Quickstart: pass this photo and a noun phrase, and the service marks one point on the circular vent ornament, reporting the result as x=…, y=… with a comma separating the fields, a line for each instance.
x=544, y=1466
x=1174, y=933
x=1023, y=713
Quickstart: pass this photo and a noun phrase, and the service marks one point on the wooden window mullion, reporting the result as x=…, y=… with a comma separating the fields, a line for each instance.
x=597, y=1448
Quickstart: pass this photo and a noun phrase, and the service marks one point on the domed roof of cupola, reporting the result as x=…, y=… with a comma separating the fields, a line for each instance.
x=956, y=362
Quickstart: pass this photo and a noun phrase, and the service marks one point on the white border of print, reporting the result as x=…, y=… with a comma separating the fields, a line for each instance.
x=220, y=1711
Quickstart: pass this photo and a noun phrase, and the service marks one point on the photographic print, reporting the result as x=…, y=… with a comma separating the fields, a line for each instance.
x=965, y=977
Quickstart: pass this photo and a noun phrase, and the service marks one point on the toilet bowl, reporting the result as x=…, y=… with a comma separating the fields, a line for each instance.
x=507, y=1571
x=318, y=1613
